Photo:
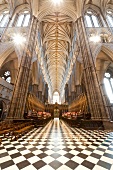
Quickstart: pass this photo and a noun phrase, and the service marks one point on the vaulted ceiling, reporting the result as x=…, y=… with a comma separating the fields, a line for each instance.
x=56, y=40
x=56, y=31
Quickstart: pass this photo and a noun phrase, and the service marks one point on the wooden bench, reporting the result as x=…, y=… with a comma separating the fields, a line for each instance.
x=7, y=130
x=18, y=133
x=4, y=130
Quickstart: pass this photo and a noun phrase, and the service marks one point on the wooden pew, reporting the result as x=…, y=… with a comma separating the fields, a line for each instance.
x=21, y=131
x=14, y=129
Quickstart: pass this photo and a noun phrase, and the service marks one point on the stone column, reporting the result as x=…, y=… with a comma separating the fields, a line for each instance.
x=14, y=71
x=69, y=99
x=66, y=93
x=35, y=89
x=78, y=90
x=46, y=93
x=72, y=96
x=98, y=108
x=40, y=95
x=17, y=106
x=106, y=99
x=43, y=98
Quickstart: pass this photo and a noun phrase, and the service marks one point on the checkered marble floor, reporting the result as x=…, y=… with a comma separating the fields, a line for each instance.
x=58, y=147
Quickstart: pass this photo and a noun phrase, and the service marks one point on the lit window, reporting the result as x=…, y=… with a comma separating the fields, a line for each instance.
x=111, y=82
x=20, y=19
x=6, y=76
x=110, y=18
x=107, y=75
x=89, y=23
x=26, y=21
x=23, y=19
x=56, y=98
x=4, y=17
x=1, y=16
x=57, y=2
x=95, y=21
x=8, y=79
x=7, y=73
x=108, y=82
x=91, y=19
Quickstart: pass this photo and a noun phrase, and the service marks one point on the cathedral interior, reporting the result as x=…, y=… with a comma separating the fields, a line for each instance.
x=56, y=84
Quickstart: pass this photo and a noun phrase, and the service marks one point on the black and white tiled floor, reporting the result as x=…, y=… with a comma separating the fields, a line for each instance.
x=58, y=147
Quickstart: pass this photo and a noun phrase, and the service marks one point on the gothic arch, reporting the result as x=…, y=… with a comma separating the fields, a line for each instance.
x=103, y=60
x=6, y=53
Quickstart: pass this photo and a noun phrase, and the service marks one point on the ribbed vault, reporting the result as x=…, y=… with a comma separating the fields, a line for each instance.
x=57, y=28
x=57, y=42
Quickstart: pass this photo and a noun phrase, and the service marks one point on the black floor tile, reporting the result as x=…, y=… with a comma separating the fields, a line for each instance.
x=88, y=164
x=67, y=149
x=104, y=164
x=29, y=155
x=71, y=164
x=90, y=149
x=11, y=148
x=39, y=164
x=6, y=164
x=108, y=155
x=42, y=155
x=78, y=149
x=23, y=164
x=82, y=155
x=33, y=149
x=95, y=155
x=3, y=154
x=21, y=149
x=15, y=155
x=44, y=149
x=69, y=155
x=55, y=164
x=101, y=149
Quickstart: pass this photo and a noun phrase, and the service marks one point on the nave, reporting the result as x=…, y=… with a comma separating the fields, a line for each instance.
x=58, y=147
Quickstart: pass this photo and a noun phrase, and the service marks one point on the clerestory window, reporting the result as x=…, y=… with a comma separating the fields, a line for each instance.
x=7, y=76
x=56, y=98
x=110, y=18
x=108, y=82
x=4, y=17
x=23, y=19
x=91, y=19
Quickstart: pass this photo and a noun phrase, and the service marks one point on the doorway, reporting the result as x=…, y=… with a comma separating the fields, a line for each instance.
x=56, y=113
x=1, y=109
